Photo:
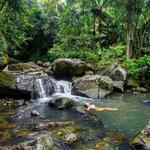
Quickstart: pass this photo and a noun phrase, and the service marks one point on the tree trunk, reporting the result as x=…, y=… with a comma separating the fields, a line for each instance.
x=129, y=42
x=130, y=27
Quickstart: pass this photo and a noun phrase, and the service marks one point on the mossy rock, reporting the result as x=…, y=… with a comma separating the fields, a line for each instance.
x=23, y=67
x=23, y=132
x=6, y=125
x=112, y=140
x=133, y=83
x=7, y=80
x=4, y=61
x=4, y=136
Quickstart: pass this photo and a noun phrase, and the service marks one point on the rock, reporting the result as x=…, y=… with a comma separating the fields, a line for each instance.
x=111, y=142
x=140, y=90
x=119, y=86
x=34, y=83
x=61, y=102
x=68, y=67
x=35, y=113
x=70, y=138
x=21, y=67
x=8, y=87
x=89, y=73
x=36, y=141
x=146, y=101
x=7, y=80
x=80, y=110
x=18, y=103
x=4, y=60
x=49, y=71
x=116, y=72
x=48, y=124
x=46, y=64
x=40, y=63
x=142, y=140
x=94, y=86
x=132, y=83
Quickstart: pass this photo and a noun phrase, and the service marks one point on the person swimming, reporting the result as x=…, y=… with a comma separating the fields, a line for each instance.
x=89, y=106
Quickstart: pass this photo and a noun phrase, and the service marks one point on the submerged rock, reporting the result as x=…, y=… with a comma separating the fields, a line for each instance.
x=111, y=142
x=94, y=86
x=69, y=67
x=61, y=102
x=146, y=102
x=35, y=141
x=142, y=140
x=48, y=124
x=35, y=113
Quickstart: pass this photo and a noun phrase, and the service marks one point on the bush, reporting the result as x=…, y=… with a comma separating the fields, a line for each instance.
x=138, y=68
x=112, y=52
x=132, y=67
x=57, y=52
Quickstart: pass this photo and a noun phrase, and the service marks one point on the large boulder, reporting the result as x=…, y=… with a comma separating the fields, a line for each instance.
x=69, y=67
x=25, y=85
x=7, y=80
x=142, y=140
x=39, y=86
x=93, y=86
x=21, y=67
x=8, y=87
x=118, y=74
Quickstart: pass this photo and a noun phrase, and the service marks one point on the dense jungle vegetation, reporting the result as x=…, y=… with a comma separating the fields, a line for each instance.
x=97, y=31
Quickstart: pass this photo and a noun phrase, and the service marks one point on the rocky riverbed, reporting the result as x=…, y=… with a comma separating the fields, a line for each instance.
x=41, y=110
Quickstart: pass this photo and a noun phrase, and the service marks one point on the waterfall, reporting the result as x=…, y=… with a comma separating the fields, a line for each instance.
x=64, y=86
x=42, y=93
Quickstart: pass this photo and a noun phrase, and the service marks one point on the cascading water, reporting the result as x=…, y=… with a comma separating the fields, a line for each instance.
x=42, y=93
x=64, y=87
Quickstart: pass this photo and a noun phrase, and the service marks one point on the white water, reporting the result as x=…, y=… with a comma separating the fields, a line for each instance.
x=42, y=92
x=64, y=87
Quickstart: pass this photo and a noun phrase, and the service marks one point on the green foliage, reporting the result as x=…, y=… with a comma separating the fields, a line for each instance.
x=83, y=55
x=138, y=68
x=132, y=67
x=3, y=45
x=113, y=52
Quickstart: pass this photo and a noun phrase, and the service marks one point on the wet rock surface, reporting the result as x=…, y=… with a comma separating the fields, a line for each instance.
x=61, y=102
x=142, y=139
x=95, y=86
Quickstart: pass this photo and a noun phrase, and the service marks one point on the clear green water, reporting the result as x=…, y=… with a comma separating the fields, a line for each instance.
x=132, y=115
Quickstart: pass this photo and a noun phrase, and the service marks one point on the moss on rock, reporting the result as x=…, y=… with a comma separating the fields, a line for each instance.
x=7, y=80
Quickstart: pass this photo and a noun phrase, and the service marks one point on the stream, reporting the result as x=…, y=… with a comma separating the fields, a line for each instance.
x=131, y=117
